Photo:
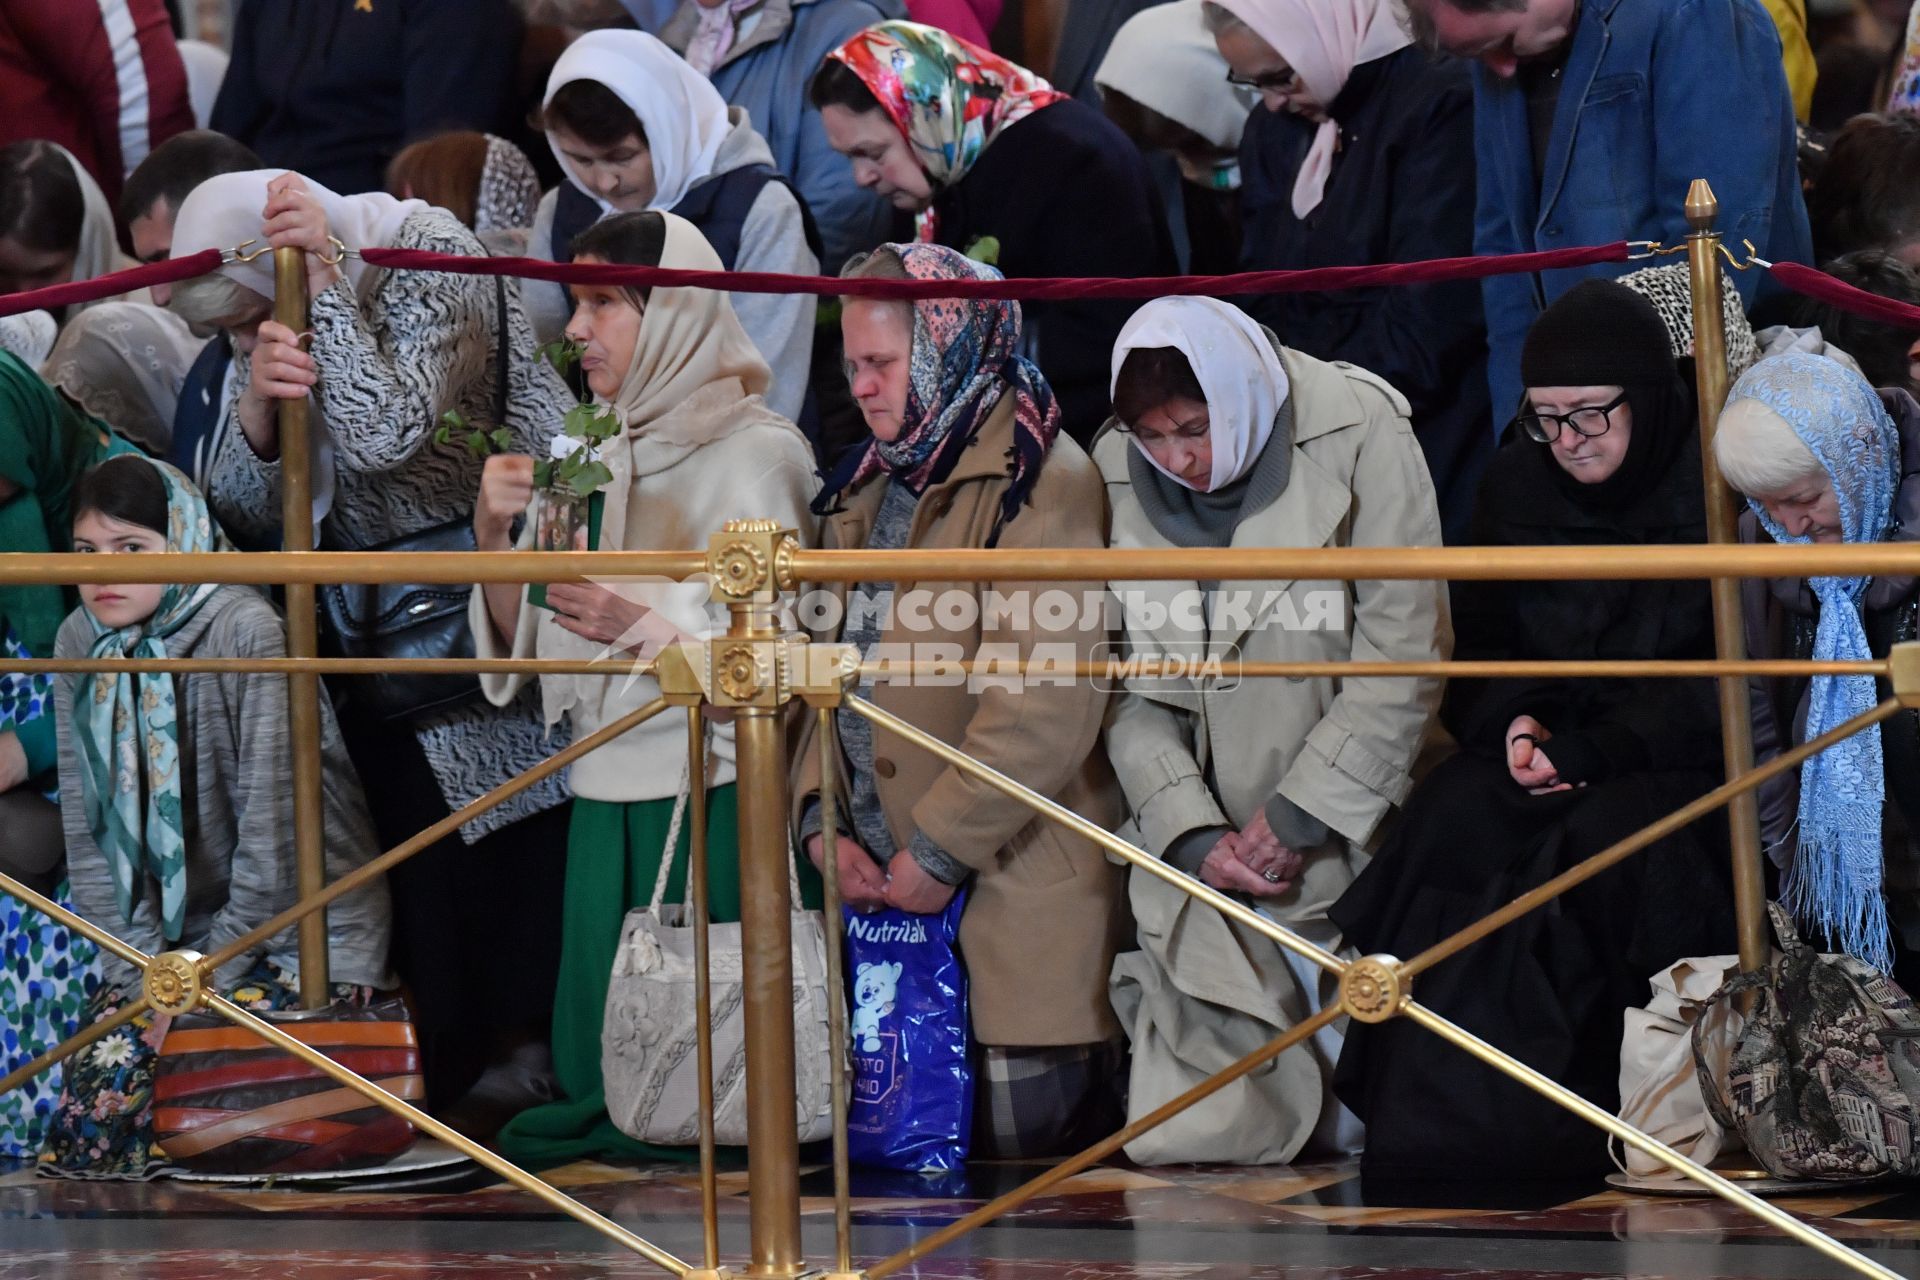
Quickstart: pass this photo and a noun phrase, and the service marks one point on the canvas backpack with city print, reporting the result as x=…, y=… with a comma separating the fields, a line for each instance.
x=1824, y=1081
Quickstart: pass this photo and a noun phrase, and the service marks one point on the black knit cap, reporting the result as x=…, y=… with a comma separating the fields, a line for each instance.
x=1597, y=334
x=1602, y=334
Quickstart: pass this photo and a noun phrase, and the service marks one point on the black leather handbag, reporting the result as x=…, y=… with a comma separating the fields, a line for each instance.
x=413, y=620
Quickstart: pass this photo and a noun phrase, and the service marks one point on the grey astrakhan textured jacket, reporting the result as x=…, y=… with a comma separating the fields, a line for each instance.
x=392, y=360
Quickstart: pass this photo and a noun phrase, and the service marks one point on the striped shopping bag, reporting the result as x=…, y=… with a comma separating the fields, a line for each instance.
x=226, y=1101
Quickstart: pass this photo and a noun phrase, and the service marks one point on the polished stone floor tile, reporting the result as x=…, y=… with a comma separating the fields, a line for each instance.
x=1111, y=1222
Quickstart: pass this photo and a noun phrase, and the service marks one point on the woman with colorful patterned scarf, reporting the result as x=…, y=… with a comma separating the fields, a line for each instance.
x=1823, y=457
x=168, y=866
x=994, y=161
x=966, y=452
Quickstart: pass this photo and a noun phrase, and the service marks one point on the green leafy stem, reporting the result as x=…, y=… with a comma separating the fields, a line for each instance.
x=576, y=475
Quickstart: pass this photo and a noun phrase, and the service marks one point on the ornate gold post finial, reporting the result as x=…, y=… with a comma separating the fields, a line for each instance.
x=1702, y=207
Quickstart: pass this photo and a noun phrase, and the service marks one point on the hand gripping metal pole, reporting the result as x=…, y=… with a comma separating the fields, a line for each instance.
x=1729, y=640
x=303, y=641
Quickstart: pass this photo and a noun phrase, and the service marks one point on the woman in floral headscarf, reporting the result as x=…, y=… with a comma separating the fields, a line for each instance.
x=166, y=865
x=966, y=452
x=994, y=161
x=1822, y=457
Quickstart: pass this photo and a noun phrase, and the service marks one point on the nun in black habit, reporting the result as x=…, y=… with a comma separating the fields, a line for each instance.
x=1550, y=771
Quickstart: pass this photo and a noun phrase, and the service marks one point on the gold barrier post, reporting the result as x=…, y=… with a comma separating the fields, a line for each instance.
x=303, y=641
x=1729, y=640
x=744, y=563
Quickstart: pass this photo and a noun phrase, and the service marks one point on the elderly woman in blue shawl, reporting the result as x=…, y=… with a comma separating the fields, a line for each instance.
x=1823, y=457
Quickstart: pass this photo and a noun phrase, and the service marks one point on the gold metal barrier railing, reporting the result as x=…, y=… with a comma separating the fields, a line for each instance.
x=754, y=673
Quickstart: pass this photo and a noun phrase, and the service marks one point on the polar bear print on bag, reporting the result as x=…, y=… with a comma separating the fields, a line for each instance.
x=873, y=992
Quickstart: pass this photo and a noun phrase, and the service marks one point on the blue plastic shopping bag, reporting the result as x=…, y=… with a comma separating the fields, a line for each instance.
x=912, y=1106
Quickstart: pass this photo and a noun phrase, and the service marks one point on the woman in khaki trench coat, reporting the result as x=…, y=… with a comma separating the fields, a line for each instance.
x=966, y=453
x=1273, y=789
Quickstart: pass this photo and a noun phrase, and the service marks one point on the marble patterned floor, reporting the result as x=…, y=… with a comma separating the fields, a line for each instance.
x=1116, y=1222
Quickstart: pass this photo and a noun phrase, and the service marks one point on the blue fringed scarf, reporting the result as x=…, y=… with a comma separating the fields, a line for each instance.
x=1835, y=881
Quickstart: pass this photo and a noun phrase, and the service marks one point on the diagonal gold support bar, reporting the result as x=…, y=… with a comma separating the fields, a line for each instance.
x=78, y=924
x=1105, y=1147
x=1565, y=1097
x=1587, y=870
x=86, y=1036
x=427, y=1124
x=439, y=830
x=1066, y=817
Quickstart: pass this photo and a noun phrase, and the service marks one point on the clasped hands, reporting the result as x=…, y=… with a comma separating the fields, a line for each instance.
x=867, y=886
x=1252, y=861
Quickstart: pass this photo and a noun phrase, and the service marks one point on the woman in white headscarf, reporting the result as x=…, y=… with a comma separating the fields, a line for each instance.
x=1272, y=789
x=700, y=446
x=635, y=128
x=124, y=363
x=388, y=354
x=1362, y=151
x=59, y=228
x=1165, y=84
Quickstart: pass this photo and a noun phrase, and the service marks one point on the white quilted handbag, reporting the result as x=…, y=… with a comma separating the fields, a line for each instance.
x=648, y=1059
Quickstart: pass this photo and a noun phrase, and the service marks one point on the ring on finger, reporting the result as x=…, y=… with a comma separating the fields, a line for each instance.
x=1270, y=876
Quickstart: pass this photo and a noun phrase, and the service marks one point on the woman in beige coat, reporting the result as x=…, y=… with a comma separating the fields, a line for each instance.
x=1271, y=789
x=966, y=453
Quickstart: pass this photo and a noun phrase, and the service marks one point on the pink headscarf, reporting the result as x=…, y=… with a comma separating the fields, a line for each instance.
x=1323, y=41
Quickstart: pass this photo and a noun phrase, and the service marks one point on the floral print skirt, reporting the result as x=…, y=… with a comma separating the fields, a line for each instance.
x=103, y=1125
x=47, y=978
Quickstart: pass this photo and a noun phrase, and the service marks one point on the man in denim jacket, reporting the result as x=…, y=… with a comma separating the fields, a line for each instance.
x=1592, y=118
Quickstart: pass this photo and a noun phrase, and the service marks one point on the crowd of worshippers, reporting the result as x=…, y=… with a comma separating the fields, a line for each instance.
x=848, y=138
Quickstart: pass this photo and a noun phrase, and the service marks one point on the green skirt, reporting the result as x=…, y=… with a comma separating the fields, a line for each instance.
x=613, y=858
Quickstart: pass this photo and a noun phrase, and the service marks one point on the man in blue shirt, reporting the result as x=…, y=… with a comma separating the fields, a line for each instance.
x=1592, y=119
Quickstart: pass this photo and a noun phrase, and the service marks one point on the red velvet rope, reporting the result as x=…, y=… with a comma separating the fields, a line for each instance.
x=1821, y=286
x=1026, y=290
x=1037, y=289
x=171, y=271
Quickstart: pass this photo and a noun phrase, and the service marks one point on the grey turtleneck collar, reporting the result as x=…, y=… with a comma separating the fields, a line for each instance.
x=1188, y=518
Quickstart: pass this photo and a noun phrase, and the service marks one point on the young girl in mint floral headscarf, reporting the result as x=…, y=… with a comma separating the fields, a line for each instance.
x=165, y=864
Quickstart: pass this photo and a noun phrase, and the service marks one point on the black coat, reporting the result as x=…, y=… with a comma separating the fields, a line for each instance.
x=334, y=91
x=1401, y=190
x=1552, y=987
x=1601, y=726
x=1066, y=194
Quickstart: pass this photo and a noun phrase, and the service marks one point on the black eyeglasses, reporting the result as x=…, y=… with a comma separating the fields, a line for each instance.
x=1591, y=420
x=1281, y=81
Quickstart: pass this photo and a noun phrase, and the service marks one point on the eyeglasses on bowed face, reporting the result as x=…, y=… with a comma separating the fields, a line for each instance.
x=1285, y=80
x=1588, y=420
